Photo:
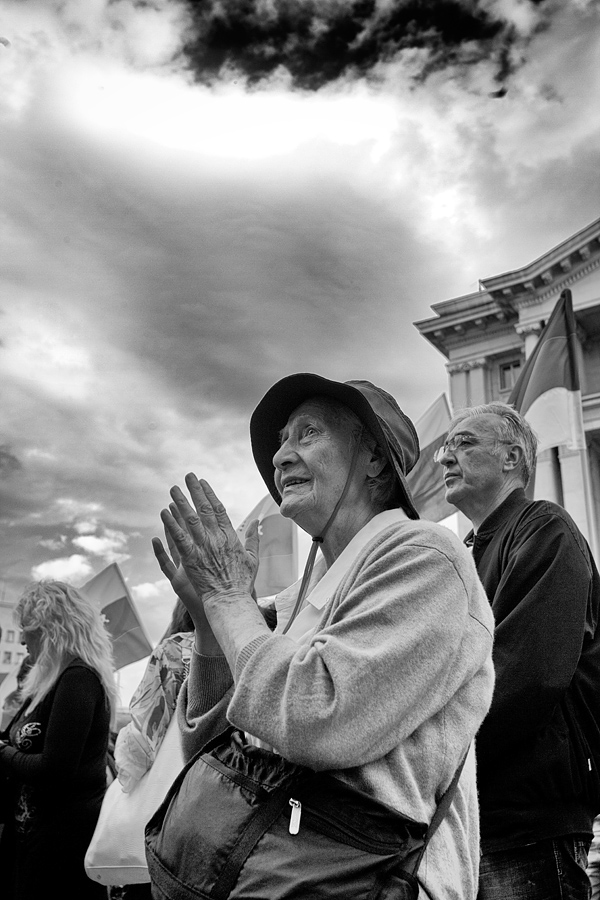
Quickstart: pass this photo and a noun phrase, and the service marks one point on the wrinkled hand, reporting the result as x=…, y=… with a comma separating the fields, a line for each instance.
x=170, y=565
x=207, y=546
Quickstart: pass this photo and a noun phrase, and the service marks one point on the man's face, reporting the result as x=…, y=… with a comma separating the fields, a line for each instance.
x=473, y=471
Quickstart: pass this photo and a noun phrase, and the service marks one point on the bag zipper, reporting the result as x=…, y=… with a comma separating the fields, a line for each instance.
x=295, y=816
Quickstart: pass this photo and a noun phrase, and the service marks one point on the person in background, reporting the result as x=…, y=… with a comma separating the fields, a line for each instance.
x=379, y=670
x=14, y=700
x=151, y=708
x=56, y=755
x=154, y=700
x=593, y=868
x=537, y=776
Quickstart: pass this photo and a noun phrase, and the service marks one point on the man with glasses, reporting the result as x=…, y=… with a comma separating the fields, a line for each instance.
x=537, y=749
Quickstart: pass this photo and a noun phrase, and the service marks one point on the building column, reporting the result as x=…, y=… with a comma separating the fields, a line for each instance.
x=548, y=481
x=467, y=382
x=575, y=489
x=530, y=333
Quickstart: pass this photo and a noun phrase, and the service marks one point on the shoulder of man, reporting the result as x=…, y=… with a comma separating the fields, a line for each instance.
x=545, y=511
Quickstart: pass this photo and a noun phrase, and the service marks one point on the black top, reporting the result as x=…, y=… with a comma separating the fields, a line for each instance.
x=538, y=748
x=57, y=762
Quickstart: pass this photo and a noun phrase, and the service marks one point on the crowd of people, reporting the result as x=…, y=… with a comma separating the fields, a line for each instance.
x=418, y=718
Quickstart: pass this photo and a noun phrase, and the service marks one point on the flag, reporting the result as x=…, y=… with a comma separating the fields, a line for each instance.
x=278, y=548
x=547, y=391
x=425, y=481
x=109, y=593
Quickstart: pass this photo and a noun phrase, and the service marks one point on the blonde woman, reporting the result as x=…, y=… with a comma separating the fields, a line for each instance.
x=56, y=747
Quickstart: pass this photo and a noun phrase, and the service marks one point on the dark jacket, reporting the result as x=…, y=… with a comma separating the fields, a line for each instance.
x=538, y=748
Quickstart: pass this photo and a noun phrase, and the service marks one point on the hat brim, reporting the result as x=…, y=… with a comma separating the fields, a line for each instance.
x=273, y=411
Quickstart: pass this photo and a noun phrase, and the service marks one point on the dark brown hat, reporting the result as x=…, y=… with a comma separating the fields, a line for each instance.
x=391, y=428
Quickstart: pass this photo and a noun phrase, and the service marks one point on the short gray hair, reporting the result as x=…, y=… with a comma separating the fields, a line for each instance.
x=512, y=428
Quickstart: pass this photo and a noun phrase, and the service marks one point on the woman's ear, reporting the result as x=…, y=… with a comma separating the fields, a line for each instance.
x=376, y=463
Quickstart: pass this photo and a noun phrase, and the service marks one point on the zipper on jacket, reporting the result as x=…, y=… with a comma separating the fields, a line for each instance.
x=295, y=816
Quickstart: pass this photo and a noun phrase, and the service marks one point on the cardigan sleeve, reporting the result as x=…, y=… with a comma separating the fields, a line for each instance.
x=389, y=653
x=202, y=702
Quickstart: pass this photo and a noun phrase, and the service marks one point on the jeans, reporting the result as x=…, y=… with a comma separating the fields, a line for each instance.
x=547, y=870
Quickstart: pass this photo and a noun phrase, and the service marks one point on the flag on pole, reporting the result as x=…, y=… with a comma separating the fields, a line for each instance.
x=278, y=549
x=425, y=481
x=547, y=391
x=109, y=593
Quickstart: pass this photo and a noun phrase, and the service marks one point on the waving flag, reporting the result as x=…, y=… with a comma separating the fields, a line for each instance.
x=109, y=593
x=425, y=481
x=278, y=549
x=547, y=392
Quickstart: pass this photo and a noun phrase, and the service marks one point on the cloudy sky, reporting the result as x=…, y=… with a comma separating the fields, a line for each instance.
x=199, y=198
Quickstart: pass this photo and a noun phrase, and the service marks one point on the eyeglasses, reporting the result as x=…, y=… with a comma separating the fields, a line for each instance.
x=461, y=443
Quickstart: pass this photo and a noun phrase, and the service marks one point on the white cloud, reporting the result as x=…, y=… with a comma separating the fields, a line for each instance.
x=148, y=590
x=54, y=544
x=109, y=545
x=70, y=509
x=74, y=569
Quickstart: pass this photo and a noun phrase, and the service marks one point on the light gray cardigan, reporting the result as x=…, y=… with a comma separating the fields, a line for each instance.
x=388, y=694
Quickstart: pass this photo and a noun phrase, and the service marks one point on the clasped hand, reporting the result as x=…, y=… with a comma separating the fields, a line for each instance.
x=207, y=545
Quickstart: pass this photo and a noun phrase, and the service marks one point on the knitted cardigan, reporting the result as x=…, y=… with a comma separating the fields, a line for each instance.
x=388, y=694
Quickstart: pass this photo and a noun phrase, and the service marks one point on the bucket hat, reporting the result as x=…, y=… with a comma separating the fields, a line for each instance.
x=391, y=428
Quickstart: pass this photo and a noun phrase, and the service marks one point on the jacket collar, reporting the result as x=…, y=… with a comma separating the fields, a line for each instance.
x=498, y=516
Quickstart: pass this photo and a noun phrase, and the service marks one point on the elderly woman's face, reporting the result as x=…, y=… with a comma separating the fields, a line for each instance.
x=312, y=464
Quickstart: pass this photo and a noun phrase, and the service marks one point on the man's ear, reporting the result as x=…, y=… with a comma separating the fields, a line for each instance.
x=512, y=458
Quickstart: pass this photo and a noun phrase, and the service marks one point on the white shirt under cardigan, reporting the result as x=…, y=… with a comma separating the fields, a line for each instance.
x=385, y=682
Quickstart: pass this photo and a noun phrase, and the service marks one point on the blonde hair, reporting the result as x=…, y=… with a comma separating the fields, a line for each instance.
x=69, y=626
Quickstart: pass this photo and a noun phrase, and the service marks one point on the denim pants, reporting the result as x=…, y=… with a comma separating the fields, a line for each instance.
x=547, y=870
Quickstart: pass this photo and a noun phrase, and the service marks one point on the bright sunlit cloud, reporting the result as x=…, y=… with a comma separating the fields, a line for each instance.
x=226, y=122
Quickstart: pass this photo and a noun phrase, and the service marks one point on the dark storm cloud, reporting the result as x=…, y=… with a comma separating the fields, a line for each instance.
x=217, y=282
x=319, y=42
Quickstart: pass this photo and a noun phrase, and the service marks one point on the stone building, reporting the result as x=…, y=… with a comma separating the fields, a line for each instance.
x=11, y=649
x=487, y=335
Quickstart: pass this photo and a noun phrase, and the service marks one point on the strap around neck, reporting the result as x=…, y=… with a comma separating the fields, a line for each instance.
x=310, y=562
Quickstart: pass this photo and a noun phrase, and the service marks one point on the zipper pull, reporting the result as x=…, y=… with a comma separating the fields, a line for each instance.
x=295, y=816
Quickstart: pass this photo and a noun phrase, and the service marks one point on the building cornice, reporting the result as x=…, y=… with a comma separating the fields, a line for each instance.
x=467, y=365
x=541, y=296
x=497, y=306
x=550, y=273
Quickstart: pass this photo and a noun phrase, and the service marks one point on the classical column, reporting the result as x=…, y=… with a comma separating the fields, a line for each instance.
x=575, y=485
x=467, y=382
x=548, y=482
x=530, y=333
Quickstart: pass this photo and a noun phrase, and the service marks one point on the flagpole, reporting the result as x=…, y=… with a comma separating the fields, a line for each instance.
x=589, y=506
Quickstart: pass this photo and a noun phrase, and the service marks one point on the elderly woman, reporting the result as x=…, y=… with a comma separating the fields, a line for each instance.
x=379, y=671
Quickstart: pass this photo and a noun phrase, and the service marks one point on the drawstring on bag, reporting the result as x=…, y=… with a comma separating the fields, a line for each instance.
x=310, y=562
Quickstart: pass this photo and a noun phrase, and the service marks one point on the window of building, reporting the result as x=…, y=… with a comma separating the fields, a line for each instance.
x=10, y=637
x=7, y=657
x=509, y=372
